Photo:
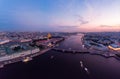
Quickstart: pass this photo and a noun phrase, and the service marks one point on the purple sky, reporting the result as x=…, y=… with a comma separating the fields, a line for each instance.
x=60, y=15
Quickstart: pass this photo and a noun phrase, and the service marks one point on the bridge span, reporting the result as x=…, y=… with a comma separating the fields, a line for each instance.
x=70, y=51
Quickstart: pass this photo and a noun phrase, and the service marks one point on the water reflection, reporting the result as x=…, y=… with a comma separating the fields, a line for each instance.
x=64, y=65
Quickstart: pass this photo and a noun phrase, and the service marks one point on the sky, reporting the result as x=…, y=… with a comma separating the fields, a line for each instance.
x=60, y=15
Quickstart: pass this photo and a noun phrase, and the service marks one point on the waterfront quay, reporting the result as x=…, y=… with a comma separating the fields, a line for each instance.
x=104, y=44
x=12, y=52
x=25, y=51
x=24, y=57
x=57, y=65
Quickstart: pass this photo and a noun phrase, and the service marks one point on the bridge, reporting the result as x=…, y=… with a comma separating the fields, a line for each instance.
x=70, y=51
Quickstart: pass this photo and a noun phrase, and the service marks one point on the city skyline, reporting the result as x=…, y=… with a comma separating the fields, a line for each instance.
x=60, y=15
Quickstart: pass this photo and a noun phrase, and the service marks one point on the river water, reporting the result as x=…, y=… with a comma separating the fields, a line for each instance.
x=58, y=65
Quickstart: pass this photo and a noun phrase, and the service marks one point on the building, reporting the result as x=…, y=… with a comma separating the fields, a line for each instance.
x=4, y=41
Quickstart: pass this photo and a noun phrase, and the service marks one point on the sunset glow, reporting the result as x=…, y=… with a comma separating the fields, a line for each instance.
x=60, y=15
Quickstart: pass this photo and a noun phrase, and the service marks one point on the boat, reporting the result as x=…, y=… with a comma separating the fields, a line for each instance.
x=27, y=59
x=81, y=64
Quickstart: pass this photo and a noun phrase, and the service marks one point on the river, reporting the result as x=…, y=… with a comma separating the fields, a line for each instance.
x=58, y=65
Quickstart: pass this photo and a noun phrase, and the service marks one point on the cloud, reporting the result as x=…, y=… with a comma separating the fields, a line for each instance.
x=90, y=9
x=105, y=26
x=91, y=13
x=68, y=27
x=109, y=26
x=82, y=20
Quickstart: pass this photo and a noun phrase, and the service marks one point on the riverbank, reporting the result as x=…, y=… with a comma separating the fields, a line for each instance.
x=20, y=57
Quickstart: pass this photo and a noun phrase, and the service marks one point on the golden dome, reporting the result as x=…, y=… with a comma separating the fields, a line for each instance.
x=49, y=36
